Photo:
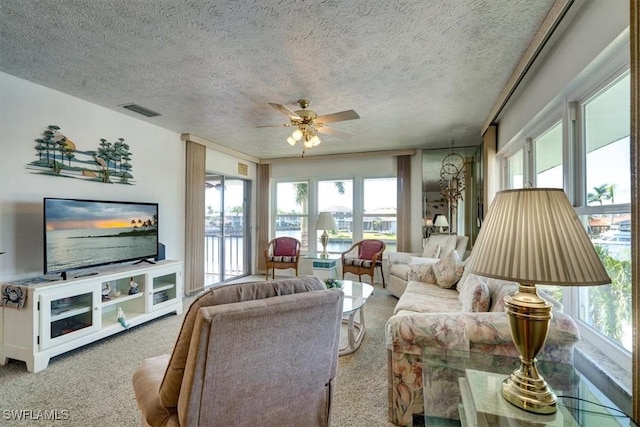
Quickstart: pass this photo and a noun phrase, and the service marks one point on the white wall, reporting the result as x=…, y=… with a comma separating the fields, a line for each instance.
x=595, y=27
x=26, y=109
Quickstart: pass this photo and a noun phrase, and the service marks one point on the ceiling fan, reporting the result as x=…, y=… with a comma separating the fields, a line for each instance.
x=308, y=124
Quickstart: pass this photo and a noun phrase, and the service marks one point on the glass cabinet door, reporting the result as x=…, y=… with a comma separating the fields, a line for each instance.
x=68, y=314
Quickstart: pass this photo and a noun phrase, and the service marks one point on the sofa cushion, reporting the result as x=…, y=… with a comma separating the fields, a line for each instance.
x=422, y=273
x=422, y=297
x=448, y=270
x=431, y=250
x=414, y=260
x=447, y=242
x=475, y=295
x=225, y=294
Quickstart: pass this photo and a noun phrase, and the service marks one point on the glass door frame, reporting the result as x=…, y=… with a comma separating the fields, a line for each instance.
x=231, y=260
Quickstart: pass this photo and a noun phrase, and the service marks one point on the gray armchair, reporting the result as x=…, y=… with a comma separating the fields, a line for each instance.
x=248, y=354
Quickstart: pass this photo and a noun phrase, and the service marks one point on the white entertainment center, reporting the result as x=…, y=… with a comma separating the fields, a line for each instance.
x=59, y=316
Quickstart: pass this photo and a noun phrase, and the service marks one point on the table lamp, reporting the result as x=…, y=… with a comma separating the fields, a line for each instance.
x=441, y=221
x=325, y=222
x=428, y=224
x=533, y=236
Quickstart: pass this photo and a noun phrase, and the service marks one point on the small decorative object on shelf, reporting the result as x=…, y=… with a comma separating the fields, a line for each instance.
x=332, y=283
x=133, y=287
x=105, y=292
x=122, y=318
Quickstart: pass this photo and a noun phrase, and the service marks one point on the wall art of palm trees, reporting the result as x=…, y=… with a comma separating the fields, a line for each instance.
x=57, y=155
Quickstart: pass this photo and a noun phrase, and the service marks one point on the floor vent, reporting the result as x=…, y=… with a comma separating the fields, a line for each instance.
x=141, y=110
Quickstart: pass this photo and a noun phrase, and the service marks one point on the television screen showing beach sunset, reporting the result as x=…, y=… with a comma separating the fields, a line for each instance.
x=85, y=233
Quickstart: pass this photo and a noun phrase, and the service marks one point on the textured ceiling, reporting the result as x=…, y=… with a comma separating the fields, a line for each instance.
x=419, y=73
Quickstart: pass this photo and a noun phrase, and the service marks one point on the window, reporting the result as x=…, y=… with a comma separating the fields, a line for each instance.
x=600, y=185
x=515, y=165
x=336, y=196
x=363, y=208
x=292, y=207
x=606, y=135
x=607, y=195
x=548, y=158
x=379, y=220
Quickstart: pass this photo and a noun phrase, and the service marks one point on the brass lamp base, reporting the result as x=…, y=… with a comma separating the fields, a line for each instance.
x=324, y=239
x=529, y=316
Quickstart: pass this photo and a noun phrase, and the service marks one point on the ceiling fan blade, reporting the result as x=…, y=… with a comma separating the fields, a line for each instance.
x=333, y=132
x=338, y=117
x=275, y=126
x=285, y=110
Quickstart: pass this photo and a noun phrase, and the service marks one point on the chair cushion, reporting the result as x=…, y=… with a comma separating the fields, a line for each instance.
x=357, y=262
x=285, y=246
x=282, y=259
x=369, y=248
x=225, y=294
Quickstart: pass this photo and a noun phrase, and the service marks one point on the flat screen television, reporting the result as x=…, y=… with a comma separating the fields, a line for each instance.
x=87, y=233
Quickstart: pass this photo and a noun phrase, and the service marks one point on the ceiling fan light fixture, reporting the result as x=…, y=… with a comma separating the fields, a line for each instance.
x=291, y=141
x=297, y=134
x=315, y=140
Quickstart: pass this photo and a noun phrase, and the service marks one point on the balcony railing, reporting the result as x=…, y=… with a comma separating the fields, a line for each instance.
x=234, y=257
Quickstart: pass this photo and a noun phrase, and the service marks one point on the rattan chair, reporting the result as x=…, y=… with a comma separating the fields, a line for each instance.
x=282, y=253
x=365, y=260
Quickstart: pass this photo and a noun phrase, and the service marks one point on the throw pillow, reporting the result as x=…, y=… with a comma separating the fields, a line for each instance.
x=285, y=247
x=431, y=251
x=369, y=248
x=476, y=297
x=499, y=289
x=448, y=270
x=422, y=273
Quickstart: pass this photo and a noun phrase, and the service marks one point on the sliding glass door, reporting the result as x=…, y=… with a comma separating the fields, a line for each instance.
x=227, y=237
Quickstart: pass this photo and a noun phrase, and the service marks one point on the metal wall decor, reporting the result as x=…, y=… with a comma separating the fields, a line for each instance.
x=452, y=179
x=59, y=156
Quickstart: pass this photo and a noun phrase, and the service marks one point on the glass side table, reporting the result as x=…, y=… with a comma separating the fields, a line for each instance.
x=466, y=386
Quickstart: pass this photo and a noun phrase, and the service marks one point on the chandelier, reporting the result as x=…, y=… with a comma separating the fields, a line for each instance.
x=307, y=133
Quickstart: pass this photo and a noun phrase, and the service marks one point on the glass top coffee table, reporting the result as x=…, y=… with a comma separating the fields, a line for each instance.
x=467, y=385
x=355, y=295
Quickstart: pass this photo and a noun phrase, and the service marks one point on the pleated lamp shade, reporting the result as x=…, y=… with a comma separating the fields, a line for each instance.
x=533, y=235
x=325, y=221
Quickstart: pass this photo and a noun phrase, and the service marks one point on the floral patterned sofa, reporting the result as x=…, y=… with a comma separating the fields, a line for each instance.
x=445, y=307
x=437, y=246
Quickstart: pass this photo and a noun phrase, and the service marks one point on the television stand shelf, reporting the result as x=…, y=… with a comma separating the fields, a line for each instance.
x=59, y=316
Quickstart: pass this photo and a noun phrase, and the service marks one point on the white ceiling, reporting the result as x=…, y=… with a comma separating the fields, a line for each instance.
x=419, y=73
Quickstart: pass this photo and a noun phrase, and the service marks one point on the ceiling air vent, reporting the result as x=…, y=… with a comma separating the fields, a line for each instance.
x=141, y=110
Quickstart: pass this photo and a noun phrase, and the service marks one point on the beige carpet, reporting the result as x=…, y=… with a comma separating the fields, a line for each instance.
x=93, y=383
